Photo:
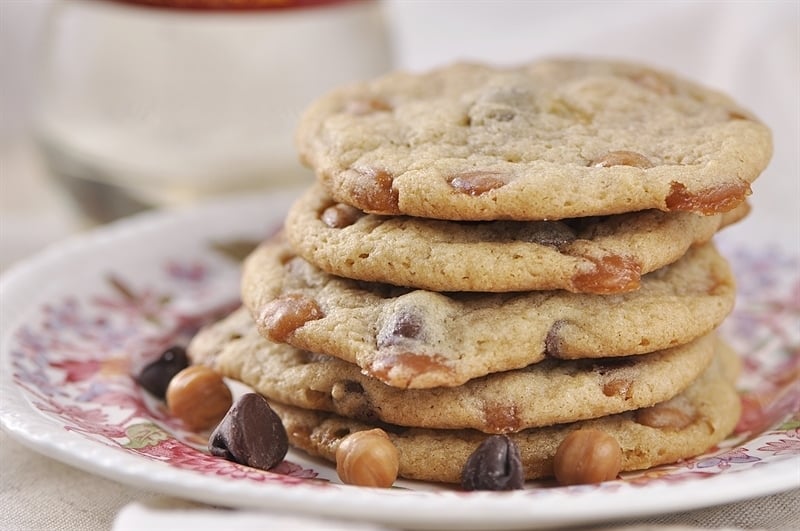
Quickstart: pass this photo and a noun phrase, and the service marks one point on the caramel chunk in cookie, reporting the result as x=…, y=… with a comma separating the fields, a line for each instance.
x=611, y=274
x=373, y=191
x=286, y=314
x=713, y=200
x=477, y=182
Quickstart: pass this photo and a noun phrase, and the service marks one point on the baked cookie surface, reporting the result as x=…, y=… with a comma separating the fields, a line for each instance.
x=420, y=339
x=551, y=139
x=682, y=427
x=586, y=255
x=550, y=392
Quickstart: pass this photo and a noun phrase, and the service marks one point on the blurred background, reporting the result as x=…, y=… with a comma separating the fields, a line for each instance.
x=109, y=107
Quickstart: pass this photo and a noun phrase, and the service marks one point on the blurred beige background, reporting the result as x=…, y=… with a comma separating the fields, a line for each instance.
x=749, y=49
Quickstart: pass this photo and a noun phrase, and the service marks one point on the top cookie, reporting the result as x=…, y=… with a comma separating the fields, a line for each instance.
x=547, y=140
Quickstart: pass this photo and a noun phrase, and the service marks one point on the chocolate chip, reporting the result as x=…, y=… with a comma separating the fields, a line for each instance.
x=552, y=342
x=251, y=434
x=402, y=325
x=351, y=386
x=352, y=401
x=155, y=377
x=495, y=465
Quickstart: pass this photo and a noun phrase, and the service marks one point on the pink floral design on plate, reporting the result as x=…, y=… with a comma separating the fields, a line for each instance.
x=77, y=362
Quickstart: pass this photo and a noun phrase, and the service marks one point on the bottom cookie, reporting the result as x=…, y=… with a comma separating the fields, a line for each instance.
x=680, y=428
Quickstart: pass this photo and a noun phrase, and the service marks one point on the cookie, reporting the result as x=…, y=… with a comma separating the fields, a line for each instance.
x=420, y=339
x=680, y=428
x=586, y=255
x=551, y=139
x=550, y=392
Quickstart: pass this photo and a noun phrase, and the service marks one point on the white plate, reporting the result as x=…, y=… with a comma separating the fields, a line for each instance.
x=77, y=320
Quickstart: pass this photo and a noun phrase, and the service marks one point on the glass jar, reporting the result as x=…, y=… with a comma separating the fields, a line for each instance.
x=143, y=106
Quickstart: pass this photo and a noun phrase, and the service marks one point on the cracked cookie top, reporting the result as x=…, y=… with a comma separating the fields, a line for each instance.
x=551, y=139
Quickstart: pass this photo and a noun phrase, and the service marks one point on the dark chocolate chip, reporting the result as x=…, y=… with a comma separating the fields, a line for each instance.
x=495, y=465
x=351, y=386
x=552, y=342
x=402, y=325
x=251, y=434
x=155, y=377
x=352, y=401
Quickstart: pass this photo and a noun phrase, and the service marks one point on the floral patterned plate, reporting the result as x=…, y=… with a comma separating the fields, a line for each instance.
x=80, y=318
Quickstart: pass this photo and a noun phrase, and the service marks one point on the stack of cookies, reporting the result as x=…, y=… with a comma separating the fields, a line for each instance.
x=522, y=251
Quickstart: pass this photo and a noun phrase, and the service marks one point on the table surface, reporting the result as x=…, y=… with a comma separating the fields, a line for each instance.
x=36, y=212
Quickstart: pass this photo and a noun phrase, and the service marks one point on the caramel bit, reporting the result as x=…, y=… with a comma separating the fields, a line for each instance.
x=340, y=215
x=736, y=115
x=401, y=369
x=477, y=183
x=501, y=418
x=619, y=387
x=611, y=274
x=401, y=326
x=552, y=342
x=654, y=82
x=282, y=316
x=364, y=106
x=713, y=200
x=373, y=191
x=675, y=414
x=622, y=158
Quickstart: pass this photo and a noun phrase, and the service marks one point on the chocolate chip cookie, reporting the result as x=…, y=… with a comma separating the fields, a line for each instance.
x=419, y=339
x=550, y=392
x=682, y=427
x=550, y=139
x=603, y=255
